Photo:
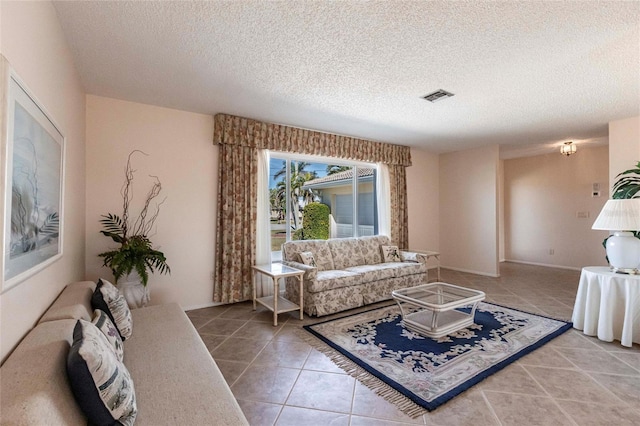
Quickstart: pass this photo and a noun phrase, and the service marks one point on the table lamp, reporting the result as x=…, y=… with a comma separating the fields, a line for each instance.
x=623, y=249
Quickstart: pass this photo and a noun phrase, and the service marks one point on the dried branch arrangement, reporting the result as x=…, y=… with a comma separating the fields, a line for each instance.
x=135, y=252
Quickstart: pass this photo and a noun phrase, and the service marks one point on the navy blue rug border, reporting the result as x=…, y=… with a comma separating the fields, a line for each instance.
x=432, y=405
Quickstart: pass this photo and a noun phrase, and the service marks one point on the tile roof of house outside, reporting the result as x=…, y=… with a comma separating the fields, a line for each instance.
x=336, y=177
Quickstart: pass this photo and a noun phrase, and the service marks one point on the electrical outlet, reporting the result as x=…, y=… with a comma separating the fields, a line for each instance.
x=552, y=252
x=582, y=215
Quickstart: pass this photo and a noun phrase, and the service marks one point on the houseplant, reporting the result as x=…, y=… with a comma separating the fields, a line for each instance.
x=135, y=257
x=627, y=185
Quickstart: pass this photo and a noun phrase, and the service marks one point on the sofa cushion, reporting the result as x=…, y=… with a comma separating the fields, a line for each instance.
x=74, y=302
x=177, y=381
x=34, y=386
x=306, y=257
x=402, y=269
x=390, y=254
x=377, y=272
x=319, y=248
x=328, y=280
x=101, y=383
x=107, y=298
x=104, y=324
x=346, y=252
x=370, y=248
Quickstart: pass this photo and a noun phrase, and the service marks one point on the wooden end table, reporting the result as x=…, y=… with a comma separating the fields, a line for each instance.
x=275, y=302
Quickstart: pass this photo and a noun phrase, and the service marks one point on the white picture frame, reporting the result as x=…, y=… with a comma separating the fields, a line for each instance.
x=32, y=181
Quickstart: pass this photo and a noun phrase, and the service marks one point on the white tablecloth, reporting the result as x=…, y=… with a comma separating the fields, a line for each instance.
x=608, y=305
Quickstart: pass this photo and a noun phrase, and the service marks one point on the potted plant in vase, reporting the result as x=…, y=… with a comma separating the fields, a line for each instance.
x=135, y=258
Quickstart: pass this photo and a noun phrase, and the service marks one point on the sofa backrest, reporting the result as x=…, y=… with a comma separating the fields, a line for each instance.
x=338, y=253
x=346, y=252
x=34, y=388
x=74, y=302
x=320, y=248
x=370, y=248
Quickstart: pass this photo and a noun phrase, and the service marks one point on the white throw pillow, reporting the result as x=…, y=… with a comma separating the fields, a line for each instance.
x=108, y=299
x=102, y=321
x=100, y=383
x=391, y=254
x=307, y=258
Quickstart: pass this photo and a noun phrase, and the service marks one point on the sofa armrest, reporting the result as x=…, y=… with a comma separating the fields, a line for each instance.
x=309, y=271
x=412, y=256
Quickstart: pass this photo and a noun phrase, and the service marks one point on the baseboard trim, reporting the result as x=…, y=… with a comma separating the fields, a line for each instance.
x=546, y=265
x=469, y=271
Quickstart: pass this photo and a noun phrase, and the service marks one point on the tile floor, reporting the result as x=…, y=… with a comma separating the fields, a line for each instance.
x=573, y=380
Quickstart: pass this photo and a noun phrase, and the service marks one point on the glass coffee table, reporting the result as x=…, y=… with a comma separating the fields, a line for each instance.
x=431, y=309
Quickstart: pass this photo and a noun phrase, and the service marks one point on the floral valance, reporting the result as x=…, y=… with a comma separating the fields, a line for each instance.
x=234, y=130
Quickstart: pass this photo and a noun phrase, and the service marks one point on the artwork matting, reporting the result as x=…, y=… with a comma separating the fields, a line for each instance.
x=32, y=181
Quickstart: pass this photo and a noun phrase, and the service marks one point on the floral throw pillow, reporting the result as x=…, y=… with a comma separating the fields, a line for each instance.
x=104, y=324
x=307, y=258
x=391, y=254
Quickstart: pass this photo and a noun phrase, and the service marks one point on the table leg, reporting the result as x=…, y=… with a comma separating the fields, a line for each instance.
x=254, y=289
x=276, y=293
x=301, y=298
x=438, y=266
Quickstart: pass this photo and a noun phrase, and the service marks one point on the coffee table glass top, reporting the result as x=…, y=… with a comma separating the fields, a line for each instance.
x=438, y=295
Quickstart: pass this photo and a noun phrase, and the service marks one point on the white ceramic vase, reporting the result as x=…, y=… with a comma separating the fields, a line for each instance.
x=135, y=293
x=623, y=251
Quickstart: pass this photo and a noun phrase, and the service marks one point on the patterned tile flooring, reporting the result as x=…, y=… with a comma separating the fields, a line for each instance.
x=573, y=380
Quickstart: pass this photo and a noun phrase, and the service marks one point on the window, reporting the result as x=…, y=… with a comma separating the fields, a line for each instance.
x=347, y=188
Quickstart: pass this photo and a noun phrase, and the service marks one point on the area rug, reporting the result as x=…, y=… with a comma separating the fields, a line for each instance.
x=418, y=373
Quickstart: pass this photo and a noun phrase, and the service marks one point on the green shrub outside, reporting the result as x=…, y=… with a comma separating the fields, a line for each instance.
x=315, y=223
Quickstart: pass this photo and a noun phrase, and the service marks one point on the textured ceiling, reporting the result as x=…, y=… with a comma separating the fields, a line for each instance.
x=526, y=75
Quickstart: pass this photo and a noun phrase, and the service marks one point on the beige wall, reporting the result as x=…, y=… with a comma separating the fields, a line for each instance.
x=469, y=210
x=543, y=195
x=184, y=158
x=624, y=146
x=182, y=155
x=32, y=41
x=422, y=201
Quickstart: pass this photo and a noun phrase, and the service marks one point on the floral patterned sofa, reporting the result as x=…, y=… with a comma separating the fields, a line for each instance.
x=349, y=272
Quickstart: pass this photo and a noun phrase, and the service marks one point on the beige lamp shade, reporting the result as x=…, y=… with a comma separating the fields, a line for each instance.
x=619, y=215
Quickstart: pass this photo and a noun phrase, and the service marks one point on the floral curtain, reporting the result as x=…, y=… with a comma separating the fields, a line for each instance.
x=230, y=129
x=240, y=140
x=399, y=215
x=236, y=223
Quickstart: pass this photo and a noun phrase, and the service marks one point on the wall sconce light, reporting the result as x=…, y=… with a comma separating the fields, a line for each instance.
x=568, y=148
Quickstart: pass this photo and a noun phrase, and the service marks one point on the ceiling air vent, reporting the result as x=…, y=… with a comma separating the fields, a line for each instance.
x=437, y=95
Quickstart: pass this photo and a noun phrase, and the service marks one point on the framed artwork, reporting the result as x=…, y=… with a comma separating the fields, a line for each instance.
x=33, y=174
